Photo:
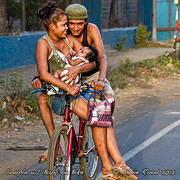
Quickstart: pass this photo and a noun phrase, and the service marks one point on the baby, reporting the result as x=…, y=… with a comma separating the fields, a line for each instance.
x=84, y=55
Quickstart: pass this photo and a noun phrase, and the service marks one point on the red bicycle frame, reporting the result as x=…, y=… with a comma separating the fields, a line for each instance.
x=72, y=136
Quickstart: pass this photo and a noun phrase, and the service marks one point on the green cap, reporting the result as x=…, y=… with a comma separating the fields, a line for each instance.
x=76, y=12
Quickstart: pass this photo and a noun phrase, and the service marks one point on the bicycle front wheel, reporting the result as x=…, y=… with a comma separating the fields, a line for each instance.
x=57, y=152
x=90, y=161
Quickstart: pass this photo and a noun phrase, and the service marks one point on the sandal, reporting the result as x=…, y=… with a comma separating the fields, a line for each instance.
x=124, y=172
x=43, y=157
x=109, y=176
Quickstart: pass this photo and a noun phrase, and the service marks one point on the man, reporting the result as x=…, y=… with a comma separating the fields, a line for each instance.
x=88, y=34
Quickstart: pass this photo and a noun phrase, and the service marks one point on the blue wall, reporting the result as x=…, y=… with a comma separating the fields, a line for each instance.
x=16, y=51
x=112, y=36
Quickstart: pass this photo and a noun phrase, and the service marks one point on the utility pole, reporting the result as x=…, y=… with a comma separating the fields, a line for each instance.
x=23, y=22
x=154, y=37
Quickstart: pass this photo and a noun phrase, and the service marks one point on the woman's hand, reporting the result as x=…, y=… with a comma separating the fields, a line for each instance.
x=74, y=90
x=98, y=85
x=72, y=74
x=36, y=83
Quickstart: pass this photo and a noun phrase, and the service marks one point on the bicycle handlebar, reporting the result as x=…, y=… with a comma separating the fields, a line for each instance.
x=83, y=88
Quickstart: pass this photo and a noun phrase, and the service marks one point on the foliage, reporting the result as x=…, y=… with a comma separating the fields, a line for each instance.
x=142, y=73
x=141, y=37
x=32, y=22
x=120, y=44
x=13, y=13
x=16, y=101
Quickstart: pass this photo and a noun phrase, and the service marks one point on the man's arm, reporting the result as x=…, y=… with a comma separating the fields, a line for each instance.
x=94, y=34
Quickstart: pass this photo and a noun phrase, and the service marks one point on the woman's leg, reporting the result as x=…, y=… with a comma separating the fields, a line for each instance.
x=79, y=107
x=45, y=113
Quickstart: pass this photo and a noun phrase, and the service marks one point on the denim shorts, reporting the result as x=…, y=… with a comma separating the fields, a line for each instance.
x=59, y=102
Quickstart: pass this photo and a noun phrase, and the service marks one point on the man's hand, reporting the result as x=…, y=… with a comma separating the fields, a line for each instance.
x=36, y=83
x=98, y=85
x=72, y=74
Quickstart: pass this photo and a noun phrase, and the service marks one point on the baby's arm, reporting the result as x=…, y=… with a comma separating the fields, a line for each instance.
x=75, y=62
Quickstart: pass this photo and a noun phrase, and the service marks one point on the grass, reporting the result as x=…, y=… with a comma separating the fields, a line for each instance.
x=129, y=74
x=17, y=105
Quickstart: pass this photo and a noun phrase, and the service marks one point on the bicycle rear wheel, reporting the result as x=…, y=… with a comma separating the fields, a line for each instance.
x=57, y=152
x=89, y=162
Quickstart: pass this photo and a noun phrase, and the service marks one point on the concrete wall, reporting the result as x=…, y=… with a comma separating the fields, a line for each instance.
x=112, y=36
x=17, y=51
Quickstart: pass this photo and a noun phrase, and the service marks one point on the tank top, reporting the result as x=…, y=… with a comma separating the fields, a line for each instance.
x=57, y=60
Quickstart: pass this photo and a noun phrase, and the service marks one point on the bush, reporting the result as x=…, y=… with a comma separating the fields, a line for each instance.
x=141, y=37
x=120, y=44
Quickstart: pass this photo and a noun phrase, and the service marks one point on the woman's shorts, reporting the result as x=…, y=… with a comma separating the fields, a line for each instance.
x=59, y=102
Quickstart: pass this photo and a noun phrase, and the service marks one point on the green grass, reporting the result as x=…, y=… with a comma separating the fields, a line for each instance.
x=129, y=74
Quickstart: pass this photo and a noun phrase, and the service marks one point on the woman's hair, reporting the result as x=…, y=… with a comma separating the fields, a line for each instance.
x=50, y=13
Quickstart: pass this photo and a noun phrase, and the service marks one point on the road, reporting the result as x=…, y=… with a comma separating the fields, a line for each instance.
x=149, y=144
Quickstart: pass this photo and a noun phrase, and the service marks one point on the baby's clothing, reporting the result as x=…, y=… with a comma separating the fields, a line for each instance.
x=68, y=65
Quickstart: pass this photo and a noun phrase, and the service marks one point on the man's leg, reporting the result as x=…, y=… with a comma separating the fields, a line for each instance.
x=45, y=113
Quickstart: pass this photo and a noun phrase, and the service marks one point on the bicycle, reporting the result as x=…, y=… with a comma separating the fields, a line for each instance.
x=65, y=146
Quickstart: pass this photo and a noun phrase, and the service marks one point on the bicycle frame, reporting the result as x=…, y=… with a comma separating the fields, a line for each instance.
x=72, y=136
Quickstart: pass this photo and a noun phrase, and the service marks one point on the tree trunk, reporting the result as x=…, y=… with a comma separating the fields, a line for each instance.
x=3, y=16
x=112, y=14
x=23, y=21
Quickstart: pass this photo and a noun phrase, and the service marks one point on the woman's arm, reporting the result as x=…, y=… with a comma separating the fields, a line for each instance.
x=41, y=54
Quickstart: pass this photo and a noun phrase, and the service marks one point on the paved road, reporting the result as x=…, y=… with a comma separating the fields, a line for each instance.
x=149, y=144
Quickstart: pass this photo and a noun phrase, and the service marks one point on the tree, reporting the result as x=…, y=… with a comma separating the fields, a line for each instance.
x=3, y=16
x=111, y=22
x=13, y=13
x=23, y=20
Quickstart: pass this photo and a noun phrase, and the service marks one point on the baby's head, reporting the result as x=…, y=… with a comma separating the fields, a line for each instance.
x=88, y=52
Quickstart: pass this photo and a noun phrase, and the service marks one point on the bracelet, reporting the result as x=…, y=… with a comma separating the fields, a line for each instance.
x=35, y=78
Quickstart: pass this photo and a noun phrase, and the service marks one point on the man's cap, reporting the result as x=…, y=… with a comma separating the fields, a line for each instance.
x=76, y=12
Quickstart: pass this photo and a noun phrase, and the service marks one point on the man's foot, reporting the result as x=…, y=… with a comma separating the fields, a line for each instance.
x=123, y=171
x=43, y=157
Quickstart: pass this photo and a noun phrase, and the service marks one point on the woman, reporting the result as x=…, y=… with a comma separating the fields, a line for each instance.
x=48, y=62
x=48, y=52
